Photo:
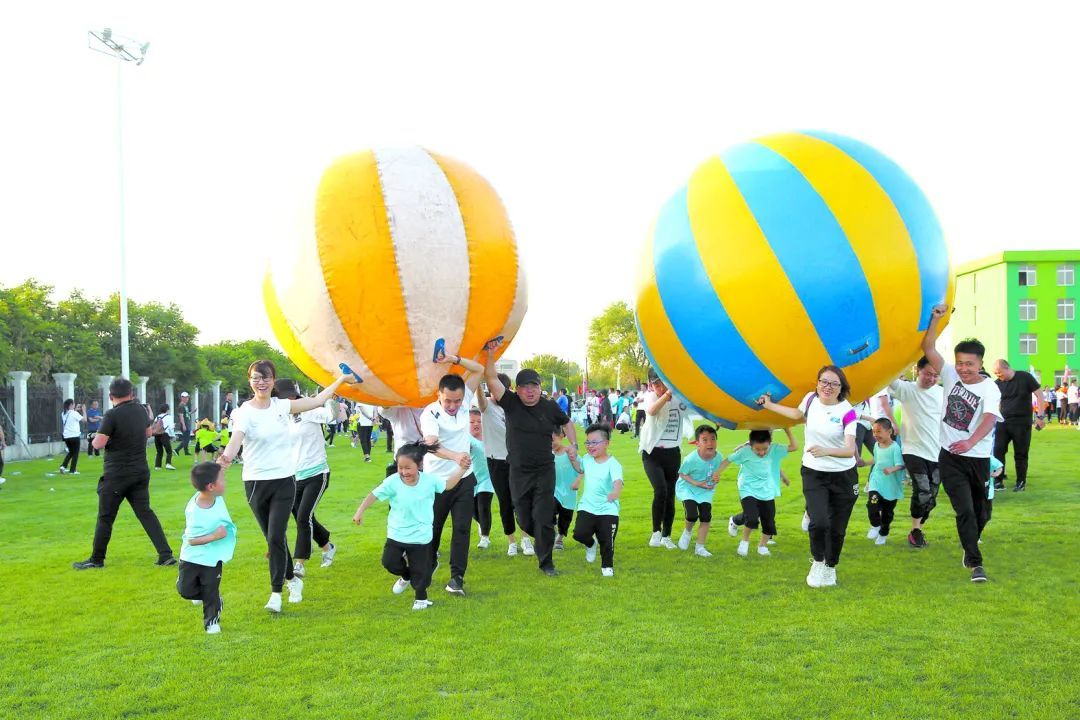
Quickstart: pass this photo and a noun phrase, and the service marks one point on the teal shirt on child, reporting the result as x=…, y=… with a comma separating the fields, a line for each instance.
x=480, y=467
x=412, y=507
x=995, y=465
x=599, y=482
x=204, y=521
x=758, y=475
x=565, y=475
x=890, y=487
x=699, y=469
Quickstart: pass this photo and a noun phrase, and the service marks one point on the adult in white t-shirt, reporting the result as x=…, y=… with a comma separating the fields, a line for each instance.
x=920, y=441
x=493, y=418
x=830, y=480
x=404, y=429
x=661, y=436
x=261, y=428
x=873, y=408
x=1073, y=396
x=969, y=411
x=364, y=424
x=72, y=434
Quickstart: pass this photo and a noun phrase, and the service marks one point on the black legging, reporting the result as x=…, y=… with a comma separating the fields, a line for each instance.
x=482, y=512
x=308, y=493
x=271, y=503
x=74, y=447
x=500, y=480
x=364, y=431
x=163, y=444
x=662, y=469
x=332, y=429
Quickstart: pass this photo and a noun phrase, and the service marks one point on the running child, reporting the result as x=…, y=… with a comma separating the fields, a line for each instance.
x=484, y=490
x=997, y=469
x=598, y=511
x=411, y=494
x=206, y=438
x=758, y=462
x=567, y=472
x=209, y=542
x=696, y=485
x=886, y=484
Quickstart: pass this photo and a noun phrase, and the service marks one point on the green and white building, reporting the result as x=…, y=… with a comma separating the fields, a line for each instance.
x=1022, y=304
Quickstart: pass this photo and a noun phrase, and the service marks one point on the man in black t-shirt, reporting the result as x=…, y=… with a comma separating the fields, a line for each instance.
x=123, y=434
x=183, y=424
x=1016, y=387
x=530, y=420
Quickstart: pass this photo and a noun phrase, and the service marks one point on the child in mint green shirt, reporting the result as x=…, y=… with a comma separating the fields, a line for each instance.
x=567, y=471
x=209, y=542
x=996, y=470
x=598, y=509
x=484, y=490
x=886, y=484
x=411, y=494
x=759, y=463
x=695, y=488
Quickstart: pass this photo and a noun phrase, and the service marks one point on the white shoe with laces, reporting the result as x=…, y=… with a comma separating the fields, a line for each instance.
x=422, y=604
x=196, y=602
x=700, y=551
x=328, y=556
x=828, y=577
x=400, y=586
x=484, y=543
x=763, y=550
x=880, y=539
x=666, y=542
x=732, y=528
x=274, y=603
x=607, y=572
x=296, y=589
x=213, y=629
x=816, y=576
x=511, y=550
x=170, y=467
x=654, y=541
x=873, y=533
x=771, y=542
x=684, y=540
x=298, y=569
x=527, y=546
x=590, y=553
x=744, y=548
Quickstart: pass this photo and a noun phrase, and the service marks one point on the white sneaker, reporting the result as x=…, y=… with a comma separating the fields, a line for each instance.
x=196, y=602
x=828, y=577
x=75, y=472
x=484, y=543
x=170, y=467
x=422, y=604
x=296, y=589
x=400, y=586
x=872, y=533
x=816, y=576
x=607, y=572
x=771, y=542
x=880, y=539
x=666, y=542
x=590, y=553
x=298, y=569
x=63, y=471
x=328, y=556
x=700, y=551
x=213, y=629
x=763, y=550
x=732, y=528
x=3, y=480
x=684, y=540
x=274, y=603
x=511, y=550
x=805, y=524
x=654, y=541
x=744, y=548
x=527, y=546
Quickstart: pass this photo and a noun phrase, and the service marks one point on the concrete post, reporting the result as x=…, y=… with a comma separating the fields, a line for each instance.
x=103, y=382
x=66, y=383
x=141, y=393
x=195, y=407
x=216, y=385
x=168, y=383
x=18, y=381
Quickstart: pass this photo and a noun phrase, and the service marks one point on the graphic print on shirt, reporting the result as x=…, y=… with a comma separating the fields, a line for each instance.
x=960, y=407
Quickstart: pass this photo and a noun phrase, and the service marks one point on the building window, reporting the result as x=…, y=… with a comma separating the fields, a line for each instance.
x=1027, y=275
x=1029, y=310
x=1066, y=309
x=1028, y=344
x=1066, y=343
x=1066, y=275
x=1060, y=377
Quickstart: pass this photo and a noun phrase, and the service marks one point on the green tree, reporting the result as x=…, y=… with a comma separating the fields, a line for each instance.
x=567, y=373
x=614, y=349
x=228, y=361
x=29, y=332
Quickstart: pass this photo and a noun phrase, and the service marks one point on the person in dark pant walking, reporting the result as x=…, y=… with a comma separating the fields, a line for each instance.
x=921, y=443
x=183, y=429
x=72, y=432
x=1016, y=387
x=494, y=421
x=93, y=422
x=660, y=437
x=209, y=542
x=969, y=413
x=530, y=418
x=123, y=434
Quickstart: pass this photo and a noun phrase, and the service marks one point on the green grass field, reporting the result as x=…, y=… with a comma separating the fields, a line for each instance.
x=904, y=635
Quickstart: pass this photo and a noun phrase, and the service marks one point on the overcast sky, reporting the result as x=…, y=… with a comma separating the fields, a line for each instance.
x=585, y=117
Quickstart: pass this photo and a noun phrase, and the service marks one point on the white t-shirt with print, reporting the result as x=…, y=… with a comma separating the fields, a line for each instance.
x=919, y=432
x=827, y=426
x=268, y=445
x=963, y=408
x=675, y=410
x=452, y=431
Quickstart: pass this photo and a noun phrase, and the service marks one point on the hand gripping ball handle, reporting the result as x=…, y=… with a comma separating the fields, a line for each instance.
x=348, y=371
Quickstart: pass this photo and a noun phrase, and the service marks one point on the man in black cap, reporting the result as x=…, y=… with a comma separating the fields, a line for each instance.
x=530, y=420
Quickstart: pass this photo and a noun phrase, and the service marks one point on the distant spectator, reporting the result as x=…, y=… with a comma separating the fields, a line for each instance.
x=184, y=428
x=93, y=422
x=163, y=429
x=72, y=433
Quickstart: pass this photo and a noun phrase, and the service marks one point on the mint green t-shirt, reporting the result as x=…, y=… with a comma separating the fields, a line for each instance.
x=699, y=469
x=599, y=482
x=890, y=487
x=480, y=467
x=203, y=521
x=995, y=465
x=565, y=475
x=756, y=473
x=412, y=507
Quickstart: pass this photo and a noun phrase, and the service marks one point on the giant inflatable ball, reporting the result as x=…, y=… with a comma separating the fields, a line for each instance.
x=783, y=255
x=405, y=247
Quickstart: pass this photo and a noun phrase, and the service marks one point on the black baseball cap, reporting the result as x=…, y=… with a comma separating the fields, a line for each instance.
x=528, y=376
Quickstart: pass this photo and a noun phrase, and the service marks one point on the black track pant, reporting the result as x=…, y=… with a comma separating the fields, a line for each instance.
x=500, y=480
x=74, y=447
x=271, y=503
x=202, y=582
x=757, y=512
x=880, y=511
x=533, y=491
x=309, y=492
x=163, y=445
x=563, y=516
x=410, y=561
x=639, y=418
x=830, y=497
x=364, y=431
x=662, y=469
x=457, y=504
x=925, y=483
x=111, y=494
x=482, y=511
x=388, y=430
x=331, y=431
x=1017, y=432
x=90, y=449
x=964, y=480
x=602, y=527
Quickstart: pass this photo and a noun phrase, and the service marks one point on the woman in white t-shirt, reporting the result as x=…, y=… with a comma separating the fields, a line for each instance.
x=830, y=480
x=661, y=436
x=72, y=434
x=261, y=427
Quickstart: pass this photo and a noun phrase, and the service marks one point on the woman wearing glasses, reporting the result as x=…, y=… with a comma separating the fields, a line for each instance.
x=830, y=480
x=261, y=427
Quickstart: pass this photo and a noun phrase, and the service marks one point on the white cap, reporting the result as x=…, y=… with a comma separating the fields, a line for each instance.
x=184, y=394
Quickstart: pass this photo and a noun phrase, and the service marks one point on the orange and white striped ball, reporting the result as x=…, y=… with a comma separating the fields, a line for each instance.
x=407, y=247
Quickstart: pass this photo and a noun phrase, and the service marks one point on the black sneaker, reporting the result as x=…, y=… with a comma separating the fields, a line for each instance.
x=166, y=561
x=917, y=539
x=88, y=565
x=978, y=575
x=1020, y=486
x=550, y=571
x=999, y=484
x=456, y=587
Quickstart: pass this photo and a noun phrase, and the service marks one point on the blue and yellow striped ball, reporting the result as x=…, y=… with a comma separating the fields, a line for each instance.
x=782, y=255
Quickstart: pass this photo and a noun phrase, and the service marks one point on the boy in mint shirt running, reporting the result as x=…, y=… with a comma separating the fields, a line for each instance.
x=598, y=510
x=695, y=488
x=567, y=472
x=209, y=542
x=758, y=461
x=886, y=484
